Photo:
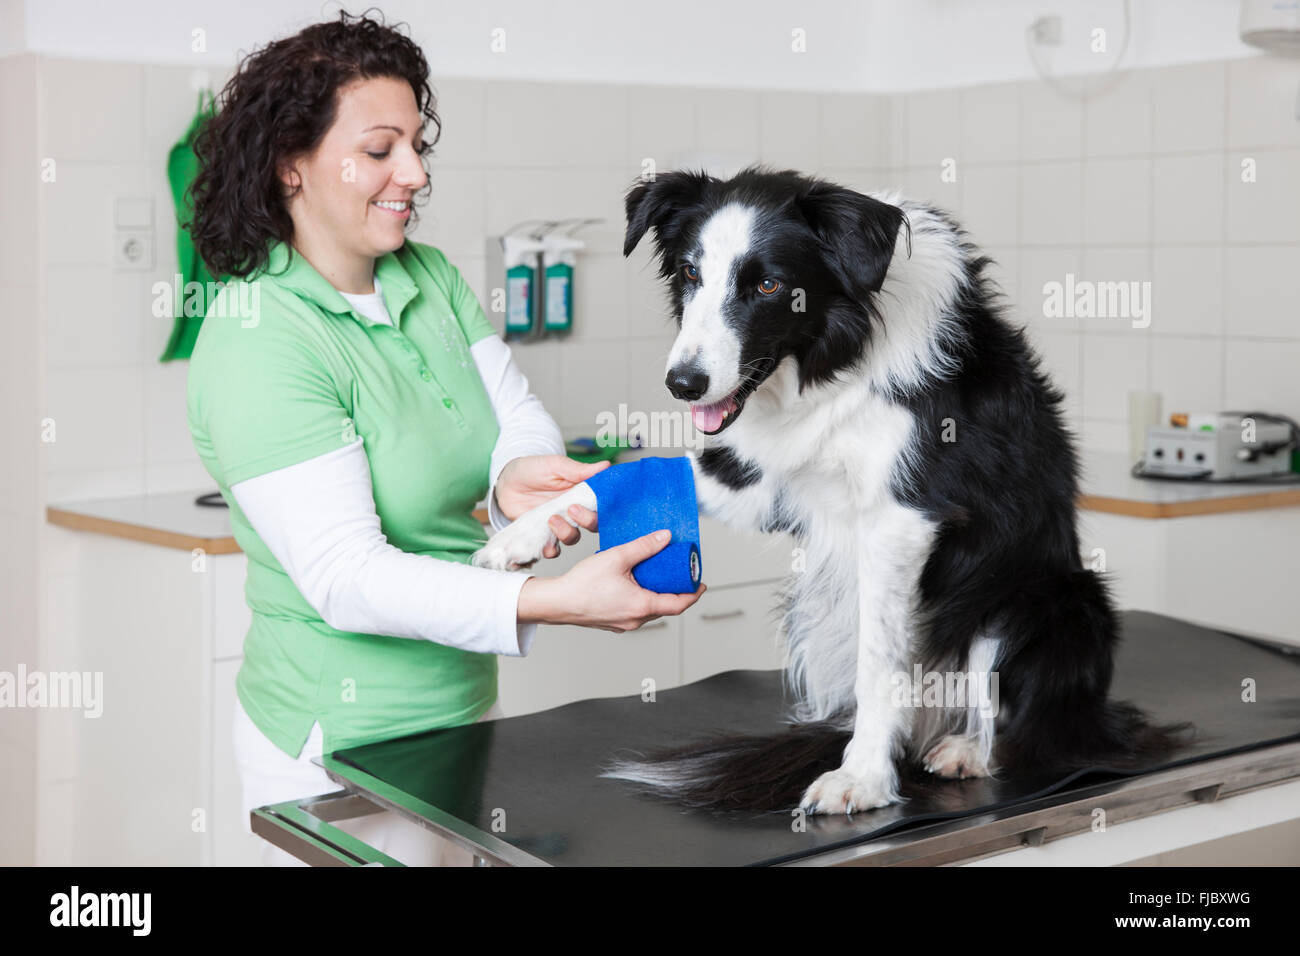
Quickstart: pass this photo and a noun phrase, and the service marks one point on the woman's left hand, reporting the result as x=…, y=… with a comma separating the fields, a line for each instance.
x=531, y=480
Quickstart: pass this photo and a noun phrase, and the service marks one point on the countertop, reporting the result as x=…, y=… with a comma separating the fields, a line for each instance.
x=173, y=520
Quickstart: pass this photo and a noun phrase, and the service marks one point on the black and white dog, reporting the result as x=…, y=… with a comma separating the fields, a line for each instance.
x=847, y=356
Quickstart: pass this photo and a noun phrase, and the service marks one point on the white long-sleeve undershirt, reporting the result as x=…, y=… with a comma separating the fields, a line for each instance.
x=318, y=518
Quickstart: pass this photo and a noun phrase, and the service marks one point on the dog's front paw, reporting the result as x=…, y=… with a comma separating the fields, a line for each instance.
x=839, y=791
x=515, y=547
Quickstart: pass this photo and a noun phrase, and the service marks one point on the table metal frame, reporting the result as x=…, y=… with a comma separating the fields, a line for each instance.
x=304, y=827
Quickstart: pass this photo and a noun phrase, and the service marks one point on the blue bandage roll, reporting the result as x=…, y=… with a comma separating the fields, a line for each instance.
x=641, y=496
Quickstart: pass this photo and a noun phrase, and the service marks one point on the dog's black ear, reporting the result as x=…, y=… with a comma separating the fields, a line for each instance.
x=659, y=203
x=857, y=234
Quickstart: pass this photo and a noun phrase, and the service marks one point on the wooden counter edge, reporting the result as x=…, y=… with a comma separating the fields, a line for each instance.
x=166, y=539
x=1279, y=498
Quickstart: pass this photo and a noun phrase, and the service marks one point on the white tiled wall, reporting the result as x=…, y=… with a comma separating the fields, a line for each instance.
x=1138, y=182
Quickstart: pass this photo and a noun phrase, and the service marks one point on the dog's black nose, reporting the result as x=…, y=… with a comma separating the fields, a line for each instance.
x=687, y=382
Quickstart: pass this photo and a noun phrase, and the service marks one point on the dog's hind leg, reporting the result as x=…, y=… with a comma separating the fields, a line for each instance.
x=969, y=751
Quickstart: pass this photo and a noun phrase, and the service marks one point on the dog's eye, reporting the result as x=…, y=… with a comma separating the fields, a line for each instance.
x=691, y=273
x=769, y=286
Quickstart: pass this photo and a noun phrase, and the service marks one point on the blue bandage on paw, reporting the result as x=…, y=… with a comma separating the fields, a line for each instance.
x=641, y=496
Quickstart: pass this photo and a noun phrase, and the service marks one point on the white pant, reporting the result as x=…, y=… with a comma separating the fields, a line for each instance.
x=269, y=775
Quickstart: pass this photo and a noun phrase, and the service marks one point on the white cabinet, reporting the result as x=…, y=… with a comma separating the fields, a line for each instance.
x=732, y=628
x=231, y=845
x=153, y=781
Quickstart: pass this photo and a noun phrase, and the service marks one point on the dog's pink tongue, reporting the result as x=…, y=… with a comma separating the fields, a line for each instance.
x=708, y=418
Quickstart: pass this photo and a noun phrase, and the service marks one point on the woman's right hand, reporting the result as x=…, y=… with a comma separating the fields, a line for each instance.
x=600, y=591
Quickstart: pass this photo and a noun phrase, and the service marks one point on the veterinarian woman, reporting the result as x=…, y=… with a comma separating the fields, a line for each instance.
x=353, y=404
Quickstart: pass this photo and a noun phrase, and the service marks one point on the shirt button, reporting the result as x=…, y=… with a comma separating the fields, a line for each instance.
x=425, y=374
x=448, y=402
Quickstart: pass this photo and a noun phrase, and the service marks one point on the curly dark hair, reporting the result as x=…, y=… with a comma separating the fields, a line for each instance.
x=278, y=106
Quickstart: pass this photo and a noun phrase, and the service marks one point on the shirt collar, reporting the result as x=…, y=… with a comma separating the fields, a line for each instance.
x=301, y=277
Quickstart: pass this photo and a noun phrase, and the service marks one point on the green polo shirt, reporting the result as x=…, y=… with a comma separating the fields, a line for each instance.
x=284, y=370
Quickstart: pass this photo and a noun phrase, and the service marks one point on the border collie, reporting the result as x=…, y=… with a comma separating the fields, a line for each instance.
x=847, y=356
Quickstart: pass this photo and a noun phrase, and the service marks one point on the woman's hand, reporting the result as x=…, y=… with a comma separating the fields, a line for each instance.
x=600, y=591
x=531, y=480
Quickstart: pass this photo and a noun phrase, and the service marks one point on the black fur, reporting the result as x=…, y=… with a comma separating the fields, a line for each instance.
x=1003, y=493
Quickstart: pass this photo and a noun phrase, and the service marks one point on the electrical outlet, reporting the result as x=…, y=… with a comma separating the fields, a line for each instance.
x=132, y=250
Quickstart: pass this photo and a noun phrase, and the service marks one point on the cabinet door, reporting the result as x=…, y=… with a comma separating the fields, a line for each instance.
x=732, y=557
x=732, y=629
x=575, y=663
x=231, y=846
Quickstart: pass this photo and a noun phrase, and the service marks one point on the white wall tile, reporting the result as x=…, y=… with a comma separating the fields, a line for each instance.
x=927, y=183
x=600, y=298
x=93, y=111
x=95, y=317
x=453, y=216
x=660, y=127
x=1188, y=374
x=1004, y=271
x=789, y=130
x=166, y=427
x=1261, y=376
x=1051, y=124
x=593, y=376
x=727, y=121
x=1117, y=201
x=1117, y=120
x=1113, y=365
x=1062, y=361
x=554, y=125
x=862, y=180
x=78, y=214
x=1104, y=436
x=990, y=203
x=990, y=123
x=1188, y=198
x=98, y=417
x=1051, y=203
x=1261, y=102
x=1268, y=209
x=1187, y=290
x=855, y=130
x=1188, y=113
x=1122, y=290
x=1263, y=291
x=519, y=194
x=460, y=105
x=540, y=364
x=934, y=127
x=1038, y=267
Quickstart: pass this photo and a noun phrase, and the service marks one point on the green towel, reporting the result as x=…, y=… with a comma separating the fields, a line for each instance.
x=182, y=166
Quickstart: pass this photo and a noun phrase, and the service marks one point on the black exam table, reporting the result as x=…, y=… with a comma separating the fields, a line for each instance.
x=542, y=770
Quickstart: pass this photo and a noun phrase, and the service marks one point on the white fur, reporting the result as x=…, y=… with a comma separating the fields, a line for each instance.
x=831, y=453
x=705, y=339
x=522, y=542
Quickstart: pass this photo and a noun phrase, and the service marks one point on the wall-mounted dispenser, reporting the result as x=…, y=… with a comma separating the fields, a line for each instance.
x=514, y=264
x=559, y=259
x=532, y=269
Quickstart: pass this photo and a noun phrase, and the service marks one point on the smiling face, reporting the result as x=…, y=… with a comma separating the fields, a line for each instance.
x=742, y=290
x=760, y=267
x=356, y=188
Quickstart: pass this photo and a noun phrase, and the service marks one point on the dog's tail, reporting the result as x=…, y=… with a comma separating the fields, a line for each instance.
x=1055, y=673
x=738, y=772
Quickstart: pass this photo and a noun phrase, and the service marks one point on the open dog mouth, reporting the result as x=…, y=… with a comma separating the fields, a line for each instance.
x=714, y=418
